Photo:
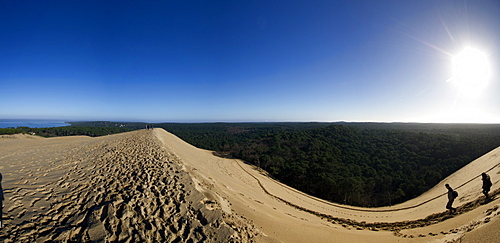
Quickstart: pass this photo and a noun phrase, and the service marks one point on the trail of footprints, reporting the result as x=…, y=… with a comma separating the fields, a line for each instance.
x=122, y=190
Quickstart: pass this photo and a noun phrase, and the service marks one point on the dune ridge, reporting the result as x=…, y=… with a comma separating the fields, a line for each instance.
x=123, y=188
x=392, y=226
x=150, y=186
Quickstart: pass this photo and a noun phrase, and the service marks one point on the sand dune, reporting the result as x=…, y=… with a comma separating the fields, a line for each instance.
x=150, y=186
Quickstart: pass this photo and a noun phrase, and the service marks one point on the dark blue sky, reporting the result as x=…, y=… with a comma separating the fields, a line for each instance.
x=245, y=60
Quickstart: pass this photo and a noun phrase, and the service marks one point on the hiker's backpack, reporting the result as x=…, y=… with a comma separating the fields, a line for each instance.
x=455, y=194
x=488, y=183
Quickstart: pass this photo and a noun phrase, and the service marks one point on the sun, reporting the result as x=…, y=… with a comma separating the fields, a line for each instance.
x=470, y=71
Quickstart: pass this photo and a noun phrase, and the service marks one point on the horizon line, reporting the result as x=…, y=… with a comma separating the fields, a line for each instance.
x=237, y=121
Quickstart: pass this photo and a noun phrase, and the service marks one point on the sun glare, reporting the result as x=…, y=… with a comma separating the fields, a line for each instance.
x=470, y=71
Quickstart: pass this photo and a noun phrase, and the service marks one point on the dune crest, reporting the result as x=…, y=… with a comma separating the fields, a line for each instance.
x=123, y=188
x=151, y=186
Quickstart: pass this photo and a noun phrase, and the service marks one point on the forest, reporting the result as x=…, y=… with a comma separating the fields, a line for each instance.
x=363, y=164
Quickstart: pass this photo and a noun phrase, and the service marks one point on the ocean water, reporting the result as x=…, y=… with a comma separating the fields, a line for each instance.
x=4, y=123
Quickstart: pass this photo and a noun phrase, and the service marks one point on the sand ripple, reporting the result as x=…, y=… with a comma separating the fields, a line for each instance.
x=122, y=188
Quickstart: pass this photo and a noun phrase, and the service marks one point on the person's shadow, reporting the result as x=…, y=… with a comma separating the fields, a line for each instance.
x=486, y=201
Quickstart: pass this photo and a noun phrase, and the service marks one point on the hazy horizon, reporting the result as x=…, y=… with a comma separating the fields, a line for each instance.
x=6, y=120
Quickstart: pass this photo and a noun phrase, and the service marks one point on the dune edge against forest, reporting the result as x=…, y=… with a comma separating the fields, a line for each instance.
x=103, y=188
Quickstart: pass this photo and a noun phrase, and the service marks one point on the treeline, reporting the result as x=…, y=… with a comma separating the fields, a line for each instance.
x=65, y=131
x=223, y=136
x=213, y=136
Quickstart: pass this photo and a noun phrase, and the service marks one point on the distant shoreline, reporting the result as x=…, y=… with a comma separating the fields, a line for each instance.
x=32, y=123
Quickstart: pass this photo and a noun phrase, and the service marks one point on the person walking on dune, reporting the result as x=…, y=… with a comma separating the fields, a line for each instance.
x=486, y=185
x=451, y=197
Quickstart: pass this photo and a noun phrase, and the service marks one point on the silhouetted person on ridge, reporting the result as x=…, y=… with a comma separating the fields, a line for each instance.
x=486, y=185
x=451, y=197
x=1, y=202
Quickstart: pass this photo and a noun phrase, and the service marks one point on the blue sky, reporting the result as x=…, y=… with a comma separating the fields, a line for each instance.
x=388, y=61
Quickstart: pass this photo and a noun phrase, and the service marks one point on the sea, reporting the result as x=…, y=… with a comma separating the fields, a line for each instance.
x=5, y=123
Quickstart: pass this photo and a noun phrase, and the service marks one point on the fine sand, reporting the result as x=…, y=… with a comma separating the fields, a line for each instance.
x=150, y=186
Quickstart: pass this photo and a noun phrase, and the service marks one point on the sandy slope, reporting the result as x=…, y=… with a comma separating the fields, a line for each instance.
x=284, y=214
x=125, y=187
x=151, y=186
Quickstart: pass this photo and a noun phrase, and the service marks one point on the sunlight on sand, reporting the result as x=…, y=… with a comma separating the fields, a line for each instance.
x=149, y=185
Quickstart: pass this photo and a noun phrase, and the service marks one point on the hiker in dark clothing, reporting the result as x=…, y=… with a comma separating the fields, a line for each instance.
x=486, y=185
x=451, y=197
